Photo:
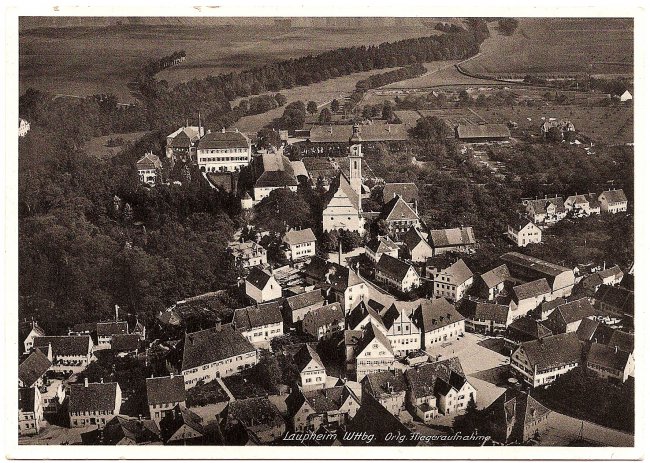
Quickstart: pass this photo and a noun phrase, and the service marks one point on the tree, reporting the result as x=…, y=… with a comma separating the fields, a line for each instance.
x=430, y=128
x=312, y=107
x=281, y=99
x=350, y=240
x=335, y=105
x=554, y=135
x=281, y=209
x=325, y=116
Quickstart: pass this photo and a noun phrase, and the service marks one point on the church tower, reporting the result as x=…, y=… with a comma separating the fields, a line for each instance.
x=355, y=157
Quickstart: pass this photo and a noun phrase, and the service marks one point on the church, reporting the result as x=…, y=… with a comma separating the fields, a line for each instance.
x=343, y=203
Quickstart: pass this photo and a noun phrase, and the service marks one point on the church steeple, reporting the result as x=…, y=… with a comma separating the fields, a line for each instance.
x=355, y=158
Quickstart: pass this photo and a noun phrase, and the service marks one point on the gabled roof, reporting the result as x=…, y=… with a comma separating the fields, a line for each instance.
x=397, y=209
x=305, y=355
x=33, y=367
x=392, y=266
x=111, y=328
x=496, y=276
x=435, y=314
x=258, y=277
x=179, y=417
x=377, y=421
x=340, y=182
x=253, y=412
x=593, y=200
x=553, y=351
x=533, y=263
x=453, y=237
x=329, y=399
x=458, y=272
x=325, y=315
x=423, y=381
x=65, y=345
x=483, y=131
x=149, y=161
x=614, y=338
x=368, y=133
x=135, y=430
x=575, y=310
x=358, y=313
x=414, y=237
x=26, y=399
x=252, y=317
x=166, y=389
x=539, y=206
x=483, y=310
x=408, y=192
x=293, y=237
x=94, y=397
x=618, y=297
x=614, y=271
x=385, y=382
x=337, y=276
x=306, y=299
x=397, y=308
x=212, y=345
x=515, y=409
x=586, y=329
x=182, y=140
x=518, y=223
x=125, y=342
x=369, y=334
x=223, y=140
x=26, y=327
x=576, y=199
x=275, y=179
x=381, y=244
x=614, y=196
x=532, y=289
x=609, y=357
x=530, y=327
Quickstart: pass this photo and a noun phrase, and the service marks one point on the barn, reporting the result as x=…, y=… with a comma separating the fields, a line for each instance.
x=482, y=133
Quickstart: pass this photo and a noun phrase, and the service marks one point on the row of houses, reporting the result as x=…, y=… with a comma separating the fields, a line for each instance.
x=551, y=210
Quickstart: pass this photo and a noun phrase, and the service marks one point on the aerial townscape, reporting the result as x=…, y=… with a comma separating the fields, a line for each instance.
x=407, y=230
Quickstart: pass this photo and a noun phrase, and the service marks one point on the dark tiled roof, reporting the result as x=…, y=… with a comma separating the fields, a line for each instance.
x=539, y=206
x=358, y=313
x=376, y=420
x=276, y=178
x=26, y=399
x=453, y=237
x=496, y=276
x=94, y=397
x=385, y=382
x=614, y=338
x=396, y=309
x=586, y=329
x=149, y=161
x=294, y=237
x=212, y=345
x=620, y=298
x=458, y=272
x=514, y=410
x=397, y=209
x=255, y=316
x=533, y=263
x=111, y=328
x=474, y=309
x=423, y=381
x=253, y=412
x=408, y=191
x=614, y=196
x=369, y=133
x=396, y=268
x=435, y=314
x=33, y=367
x=88, y=327
x=575, y=310
x=483, y=131
x=126, y=427
x=223, y=140
x=258, y=277
x=181, y=141
x=553, y=351
x=381, y=244
x=520, y=222
x=125, y=342
x=340, y=277
x=591, y=282
x=65, y=345
x=413, y=237
x=179, y=417
x=532, y=289
x=305, y=355
x=593, y=201
x=614, y=271
x=329, y=399
x=325, y=315
x=340, y=182
x=166, y=389
x=305, y=299
x=607, y=356
x=529, y=327
x=369, y=334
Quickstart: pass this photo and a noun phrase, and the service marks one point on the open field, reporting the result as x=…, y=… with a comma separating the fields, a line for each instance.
x=609, y=125
x=321, y=92
x=97, y=148
x=439, y=73
x=89, y=60
x=557, y=46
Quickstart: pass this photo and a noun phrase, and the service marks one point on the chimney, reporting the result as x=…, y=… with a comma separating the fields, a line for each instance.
x=616, y=349
x=117, y=314
x=101, y=380
x=200, y=131
x=85, y=382
x=223, y=130
x=340, y=251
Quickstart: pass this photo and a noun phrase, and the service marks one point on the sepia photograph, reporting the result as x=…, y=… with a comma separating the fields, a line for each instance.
x=324, y=232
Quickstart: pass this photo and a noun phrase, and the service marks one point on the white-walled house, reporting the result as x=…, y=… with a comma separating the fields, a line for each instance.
x=223, y=151
x=311, y=368
x=524, y=232
x=300, y=244
x=439, y=322
x=215, y=353
x=261, y=286
x=163, y=394
x=248, y=254
x=402, y=330
x=93, y=404
x=70, y=354
x=397, y=274
x=610, y=362
x=542, y=361
x=149, y=167
x=453, y=281
x=323, y=322
x=259, y=324
x=369, y=351
x=613, y=201
x=529, y=295
x=380, y=246
x=23, y=127
x=342, y=282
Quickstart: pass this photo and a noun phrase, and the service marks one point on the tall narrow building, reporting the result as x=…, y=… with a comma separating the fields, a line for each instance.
x=343, y=202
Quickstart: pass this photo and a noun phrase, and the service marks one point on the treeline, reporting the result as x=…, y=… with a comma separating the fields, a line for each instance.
x=507, y=26
x=385, y=78
x=155, y=66
x=585, y=83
